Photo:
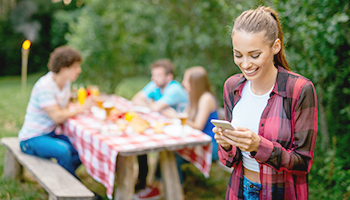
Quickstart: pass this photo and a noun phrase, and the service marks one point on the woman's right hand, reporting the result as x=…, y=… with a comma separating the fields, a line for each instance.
x=218, y=138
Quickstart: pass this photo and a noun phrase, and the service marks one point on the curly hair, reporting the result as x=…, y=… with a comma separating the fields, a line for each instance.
x=63, y=56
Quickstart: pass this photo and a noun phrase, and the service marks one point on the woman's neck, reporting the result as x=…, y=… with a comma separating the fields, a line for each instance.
x=263, y=85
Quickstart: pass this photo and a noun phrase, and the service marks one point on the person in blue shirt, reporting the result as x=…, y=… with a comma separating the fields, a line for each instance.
x=162, y=93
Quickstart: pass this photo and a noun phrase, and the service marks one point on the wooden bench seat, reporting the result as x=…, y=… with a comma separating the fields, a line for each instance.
x=59, y=183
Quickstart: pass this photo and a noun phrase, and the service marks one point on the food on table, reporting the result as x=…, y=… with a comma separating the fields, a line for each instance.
x=130, y=115
x=122, y=124
x=139, y=125
x=158, y=128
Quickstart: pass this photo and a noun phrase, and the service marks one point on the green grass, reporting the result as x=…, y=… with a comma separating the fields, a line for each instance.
x=12, y=110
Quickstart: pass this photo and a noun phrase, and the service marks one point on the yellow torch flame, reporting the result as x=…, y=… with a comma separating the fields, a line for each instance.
x=26, y=44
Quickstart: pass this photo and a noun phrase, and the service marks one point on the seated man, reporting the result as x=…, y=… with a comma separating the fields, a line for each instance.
x=161, y=93
x=48, y=107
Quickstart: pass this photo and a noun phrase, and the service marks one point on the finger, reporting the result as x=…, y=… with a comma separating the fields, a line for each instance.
x=238, y=128
x=219, y=140
x=217, y=136
x=217, y=129
x=236, y=133
x=233, y=142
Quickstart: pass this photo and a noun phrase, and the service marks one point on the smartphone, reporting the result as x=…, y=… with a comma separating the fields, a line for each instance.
x=222, y=124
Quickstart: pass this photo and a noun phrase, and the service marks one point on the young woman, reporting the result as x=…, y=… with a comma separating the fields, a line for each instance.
x=202, y=106
x=274, y=112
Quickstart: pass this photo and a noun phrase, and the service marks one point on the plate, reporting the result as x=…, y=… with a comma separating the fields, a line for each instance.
x=176, y=130
x=141, y=109
x=98, y=113
x=111, y=129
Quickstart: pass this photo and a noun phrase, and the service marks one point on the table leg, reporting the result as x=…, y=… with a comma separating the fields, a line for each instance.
x=124, y=181
x=172, y=186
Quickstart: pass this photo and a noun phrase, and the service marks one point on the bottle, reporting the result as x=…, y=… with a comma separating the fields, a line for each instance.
x=74, y=94
x=81, y=94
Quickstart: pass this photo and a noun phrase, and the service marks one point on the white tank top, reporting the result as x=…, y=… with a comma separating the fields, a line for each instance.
x=247, y=113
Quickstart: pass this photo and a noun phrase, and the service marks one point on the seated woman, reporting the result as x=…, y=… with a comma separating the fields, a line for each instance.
x=202, y=107
x=48, y=107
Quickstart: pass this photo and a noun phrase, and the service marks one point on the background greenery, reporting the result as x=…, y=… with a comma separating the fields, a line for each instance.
x=120, y=39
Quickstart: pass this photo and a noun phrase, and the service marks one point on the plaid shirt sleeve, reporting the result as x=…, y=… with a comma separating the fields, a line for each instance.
x=232, y=157
x=298, y=158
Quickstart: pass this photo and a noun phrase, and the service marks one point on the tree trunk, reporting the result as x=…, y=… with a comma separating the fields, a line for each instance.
x=323, y=128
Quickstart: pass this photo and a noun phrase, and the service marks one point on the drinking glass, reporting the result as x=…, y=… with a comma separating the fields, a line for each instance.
x=74, y=94
x=100, y=99
x=108, y=105
x=93, y=90
x=182, y=115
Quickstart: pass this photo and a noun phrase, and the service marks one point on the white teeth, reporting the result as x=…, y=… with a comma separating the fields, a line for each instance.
x=249, y=71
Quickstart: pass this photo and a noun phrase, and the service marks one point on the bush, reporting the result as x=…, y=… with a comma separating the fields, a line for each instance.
x=128, y=87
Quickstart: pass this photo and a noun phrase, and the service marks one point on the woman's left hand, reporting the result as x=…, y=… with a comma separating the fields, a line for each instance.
x=242, y=138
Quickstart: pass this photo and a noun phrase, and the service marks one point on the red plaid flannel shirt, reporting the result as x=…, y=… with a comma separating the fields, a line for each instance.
x=288, y=129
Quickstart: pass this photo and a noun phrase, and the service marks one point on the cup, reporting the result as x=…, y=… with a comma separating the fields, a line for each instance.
x=74, y=94
x=93, y=90
x=99, y=102
x=183, y=117
x=108, y=106
x=102, y=97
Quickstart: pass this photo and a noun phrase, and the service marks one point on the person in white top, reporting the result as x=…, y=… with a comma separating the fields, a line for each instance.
x=48, y=107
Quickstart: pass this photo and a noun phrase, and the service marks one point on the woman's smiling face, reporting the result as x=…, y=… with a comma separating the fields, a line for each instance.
x=253, y=55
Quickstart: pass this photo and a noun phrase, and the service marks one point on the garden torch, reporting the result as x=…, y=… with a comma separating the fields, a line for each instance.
x=25, y=52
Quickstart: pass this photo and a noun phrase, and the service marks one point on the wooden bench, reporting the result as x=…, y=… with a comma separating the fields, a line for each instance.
x=58, y=182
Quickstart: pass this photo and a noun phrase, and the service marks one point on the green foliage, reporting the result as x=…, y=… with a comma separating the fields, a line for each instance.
x=121, y=39
x=30, y=19
x=128, y=87
x=318, y=47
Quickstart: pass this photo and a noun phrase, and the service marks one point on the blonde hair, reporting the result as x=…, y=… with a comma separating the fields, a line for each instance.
x=199, y=84
x=263, y=20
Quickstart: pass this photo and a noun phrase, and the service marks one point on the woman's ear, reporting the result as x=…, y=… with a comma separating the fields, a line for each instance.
x=276, y=47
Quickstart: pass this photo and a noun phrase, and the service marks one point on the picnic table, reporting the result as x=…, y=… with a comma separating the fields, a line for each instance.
x=109, y=158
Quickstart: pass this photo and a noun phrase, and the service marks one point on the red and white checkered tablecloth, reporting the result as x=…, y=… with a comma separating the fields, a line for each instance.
x=98, y=152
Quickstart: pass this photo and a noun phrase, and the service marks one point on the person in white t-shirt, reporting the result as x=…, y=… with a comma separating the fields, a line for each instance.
x=48, y=107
